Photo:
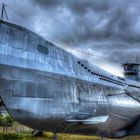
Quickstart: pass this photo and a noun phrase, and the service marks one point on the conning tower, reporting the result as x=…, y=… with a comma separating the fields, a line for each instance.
x=132, y=71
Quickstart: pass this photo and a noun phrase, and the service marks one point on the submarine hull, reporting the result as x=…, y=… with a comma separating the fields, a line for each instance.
x=43, y=87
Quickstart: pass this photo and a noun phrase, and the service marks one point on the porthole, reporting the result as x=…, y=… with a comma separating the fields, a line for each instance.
x=88, y=70
x=92, y=73
x=82, y=65
x=79, y=62
x=42, y=49
x=85, y=67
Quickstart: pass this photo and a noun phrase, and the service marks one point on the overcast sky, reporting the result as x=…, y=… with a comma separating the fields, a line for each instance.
x=106, y=32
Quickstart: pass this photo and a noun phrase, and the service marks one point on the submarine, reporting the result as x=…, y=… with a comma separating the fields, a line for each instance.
x=46, y=88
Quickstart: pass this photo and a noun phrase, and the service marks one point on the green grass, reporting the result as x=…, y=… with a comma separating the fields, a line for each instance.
x=49, y=136
x=70, y=137
x=14, y=136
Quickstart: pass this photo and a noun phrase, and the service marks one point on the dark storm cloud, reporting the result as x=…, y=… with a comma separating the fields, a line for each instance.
x=96, y=20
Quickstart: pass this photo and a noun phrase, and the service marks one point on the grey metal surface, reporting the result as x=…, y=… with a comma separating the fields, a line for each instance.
x=45, y=88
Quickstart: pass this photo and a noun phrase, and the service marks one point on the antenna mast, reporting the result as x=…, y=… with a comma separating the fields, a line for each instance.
x=3, y=11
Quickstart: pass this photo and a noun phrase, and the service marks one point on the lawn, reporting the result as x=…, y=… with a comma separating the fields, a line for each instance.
x=20, y=132
x=49, y=136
